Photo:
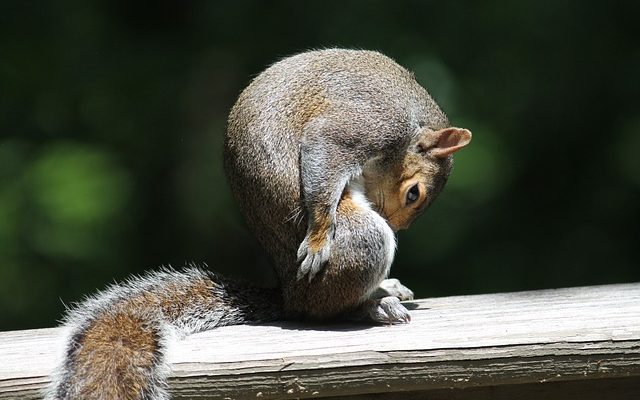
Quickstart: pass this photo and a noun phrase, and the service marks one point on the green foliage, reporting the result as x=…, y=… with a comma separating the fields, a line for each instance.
x=112, y=116
x=76, y=194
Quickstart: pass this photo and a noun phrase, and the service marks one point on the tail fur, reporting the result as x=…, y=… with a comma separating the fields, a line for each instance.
x=117, y=339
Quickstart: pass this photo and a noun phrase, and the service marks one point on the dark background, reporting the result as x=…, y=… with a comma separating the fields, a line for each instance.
x=112, y=115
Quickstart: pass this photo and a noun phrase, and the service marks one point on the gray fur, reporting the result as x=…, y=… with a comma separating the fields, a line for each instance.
x=359, y=106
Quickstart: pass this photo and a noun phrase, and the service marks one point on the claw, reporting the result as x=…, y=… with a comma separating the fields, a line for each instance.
x=302, y=250
x=312, y=262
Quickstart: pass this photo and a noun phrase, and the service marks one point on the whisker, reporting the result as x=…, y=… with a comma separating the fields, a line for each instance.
x=295, y=214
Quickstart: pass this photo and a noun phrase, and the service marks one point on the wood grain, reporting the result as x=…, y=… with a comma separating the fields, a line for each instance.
x=454, y=346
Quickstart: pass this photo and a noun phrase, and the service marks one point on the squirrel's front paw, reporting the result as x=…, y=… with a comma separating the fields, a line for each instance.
x=388, y=310
x=313, y=253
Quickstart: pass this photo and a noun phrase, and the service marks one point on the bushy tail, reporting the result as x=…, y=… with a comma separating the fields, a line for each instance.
x=117, y=338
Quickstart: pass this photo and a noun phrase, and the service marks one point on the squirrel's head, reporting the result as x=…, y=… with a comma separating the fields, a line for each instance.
x=403, y=193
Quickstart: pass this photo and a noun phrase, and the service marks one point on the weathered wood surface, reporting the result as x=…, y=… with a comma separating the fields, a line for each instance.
x=537, y=341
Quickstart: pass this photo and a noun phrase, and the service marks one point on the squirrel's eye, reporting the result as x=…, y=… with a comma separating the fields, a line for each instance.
x=413, y=194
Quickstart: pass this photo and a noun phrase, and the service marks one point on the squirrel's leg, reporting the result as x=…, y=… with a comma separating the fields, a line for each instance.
x=325, y=170
x=361, y=255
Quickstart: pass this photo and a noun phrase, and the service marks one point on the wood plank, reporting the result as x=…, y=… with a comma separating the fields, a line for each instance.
x=460, y=342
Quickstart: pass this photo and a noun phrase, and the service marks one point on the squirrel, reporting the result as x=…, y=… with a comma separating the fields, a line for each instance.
x=327, y=153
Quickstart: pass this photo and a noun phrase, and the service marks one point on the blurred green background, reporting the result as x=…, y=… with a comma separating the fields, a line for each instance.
x=112, y=115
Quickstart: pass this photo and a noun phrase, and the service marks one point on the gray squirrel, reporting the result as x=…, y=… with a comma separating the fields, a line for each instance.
x=327, y=153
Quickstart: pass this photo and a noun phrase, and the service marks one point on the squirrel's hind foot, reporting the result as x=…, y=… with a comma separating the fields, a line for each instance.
x=392, y=287
x=387, y=310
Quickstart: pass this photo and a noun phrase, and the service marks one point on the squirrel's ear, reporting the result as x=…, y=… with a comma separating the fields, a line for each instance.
x=444, y=142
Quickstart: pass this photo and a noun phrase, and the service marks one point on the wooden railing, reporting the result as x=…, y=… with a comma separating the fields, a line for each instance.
x=578, y=343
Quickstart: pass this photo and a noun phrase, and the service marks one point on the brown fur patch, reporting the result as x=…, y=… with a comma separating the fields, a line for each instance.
x=307, y=104
x=318, y=236
x=117, y=354
x=347, y=205
x=322, y=223
x=177, y=299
